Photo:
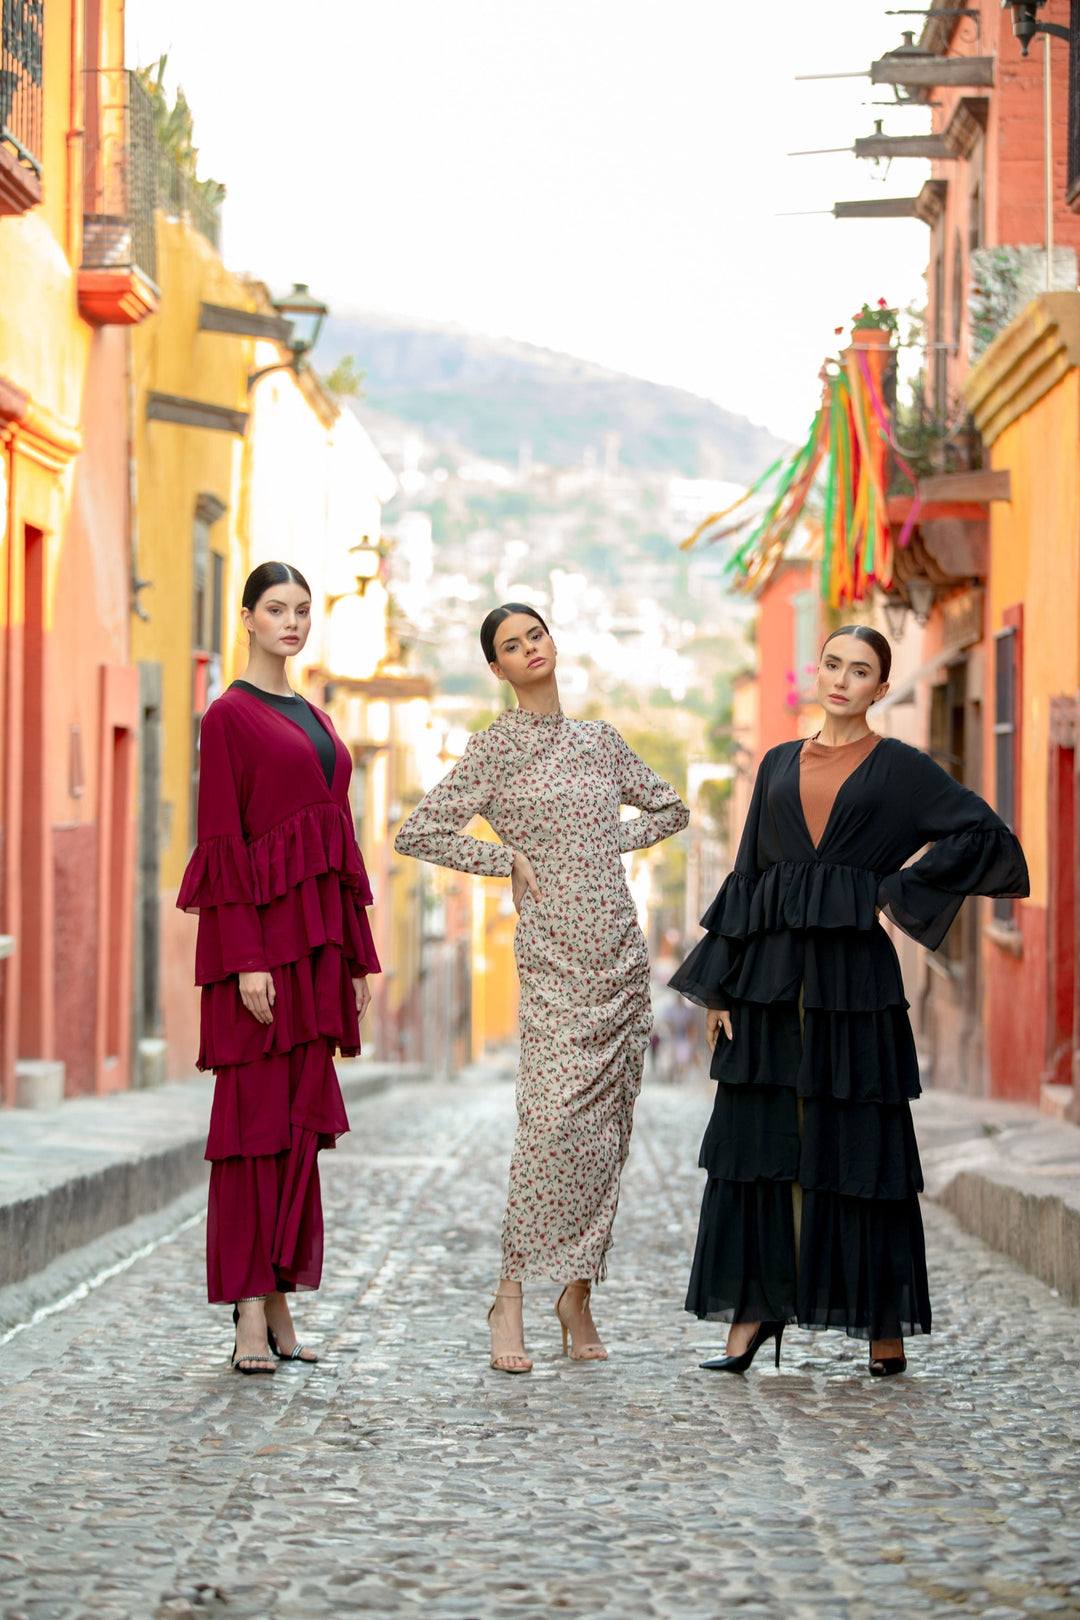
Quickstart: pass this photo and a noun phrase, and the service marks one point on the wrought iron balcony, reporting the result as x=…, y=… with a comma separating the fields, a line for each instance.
x=22, y=25
x=118, y=274
x=179, y=197
x=129, y=175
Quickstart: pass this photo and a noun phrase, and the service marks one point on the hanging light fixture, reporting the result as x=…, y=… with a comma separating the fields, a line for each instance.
x=896, y=612
x=921, y=594
x=1026, y=23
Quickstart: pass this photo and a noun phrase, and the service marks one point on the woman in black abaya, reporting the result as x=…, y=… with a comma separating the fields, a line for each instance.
x=811, y=1208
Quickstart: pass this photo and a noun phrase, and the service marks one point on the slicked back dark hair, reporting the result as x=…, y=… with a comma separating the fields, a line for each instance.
x=873, y=638
x=267, y=574
x=496, y=617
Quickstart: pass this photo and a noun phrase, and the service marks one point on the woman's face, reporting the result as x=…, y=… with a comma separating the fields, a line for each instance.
x=280, y=621
x=524, y=651
x=849, y=677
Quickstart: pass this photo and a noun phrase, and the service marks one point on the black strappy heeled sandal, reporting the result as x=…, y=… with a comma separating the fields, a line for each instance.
x=264, y=1364
x=294, y=1353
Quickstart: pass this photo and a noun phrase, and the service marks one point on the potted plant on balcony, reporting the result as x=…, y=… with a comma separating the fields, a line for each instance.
x=874, y=328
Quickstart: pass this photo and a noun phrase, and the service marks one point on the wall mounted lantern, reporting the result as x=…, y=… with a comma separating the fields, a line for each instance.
x=367, y=562
x=306, y=317
x=1026, y=24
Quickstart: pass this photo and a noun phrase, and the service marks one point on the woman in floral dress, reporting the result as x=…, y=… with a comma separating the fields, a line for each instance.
x=551, y=788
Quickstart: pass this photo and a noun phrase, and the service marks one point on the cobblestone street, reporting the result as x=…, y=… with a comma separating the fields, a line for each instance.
x=143, y=1478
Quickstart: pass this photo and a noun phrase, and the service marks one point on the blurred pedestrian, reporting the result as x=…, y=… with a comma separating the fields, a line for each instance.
x=283, y=954
x=551, y=788
x=811, y=1208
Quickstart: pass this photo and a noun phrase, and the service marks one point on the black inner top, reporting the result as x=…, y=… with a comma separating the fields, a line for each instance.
x=299, y=709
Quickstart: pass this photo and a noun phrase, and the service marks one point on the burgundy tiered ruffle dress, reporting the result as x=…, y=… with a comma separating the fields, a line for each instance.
x=279, y=884
x=812, y=1116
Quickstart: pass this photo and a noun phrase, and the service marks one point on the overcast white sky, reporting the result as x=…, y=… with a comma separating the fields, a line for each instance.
x=598, y=176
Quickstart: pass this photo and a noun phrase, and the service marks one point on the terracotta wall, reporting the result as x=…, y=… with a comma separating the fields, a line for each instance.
x=1011, y=158
x=67, y=720
x=1035, y=563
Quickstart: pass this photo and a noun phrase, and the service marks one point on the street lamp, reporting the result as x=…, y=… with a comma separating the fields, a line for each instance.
x=1026, y=24
x=306, y=316
x=367, y=562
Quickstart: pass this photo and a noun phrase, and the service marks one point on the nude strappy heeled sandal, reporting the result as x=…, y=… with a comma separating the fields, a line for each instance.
x=498, y=1360
x=587, y=1352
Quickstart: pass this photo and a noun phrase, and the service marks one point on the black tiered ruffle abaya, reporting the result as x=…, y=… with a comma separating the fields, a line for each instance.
x=812, y=1101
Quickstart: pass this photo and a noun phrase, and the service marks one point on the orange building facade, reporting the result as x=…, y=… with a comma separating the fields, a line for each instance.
x=68, y=710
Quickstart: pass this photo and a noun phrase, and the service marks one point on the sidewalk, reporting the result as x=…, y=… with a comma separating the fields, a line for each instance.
x=1011, y=1176
x=72, y=1174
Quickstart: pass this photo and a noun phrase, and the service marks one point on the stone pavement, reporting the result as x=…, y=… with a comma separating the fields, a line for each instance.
x=144, y=1479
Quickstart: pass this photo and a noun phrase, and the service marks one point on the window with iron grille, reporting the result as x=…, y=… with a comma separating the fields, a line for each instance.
x=21, y=37
x=1006, y=647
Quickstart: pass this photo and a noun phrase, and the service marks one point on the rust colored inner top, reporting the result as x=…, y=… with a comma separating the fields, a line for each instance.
x=822, y=773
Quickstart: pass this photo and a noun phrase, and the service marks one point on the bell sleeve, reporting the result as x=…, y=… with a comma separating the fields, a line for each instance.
x=435, y=830
x=973, y=853
x=662, y=811
x=218, y=883
x=727, y=922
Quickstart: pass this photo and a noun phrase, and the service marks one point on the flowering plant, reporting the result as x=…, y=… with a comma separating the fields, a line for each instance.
x=882, y=317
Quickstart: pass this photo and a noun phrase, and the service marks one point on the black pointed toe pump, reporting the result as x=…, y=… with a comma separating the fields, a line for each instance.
x=738, y=1364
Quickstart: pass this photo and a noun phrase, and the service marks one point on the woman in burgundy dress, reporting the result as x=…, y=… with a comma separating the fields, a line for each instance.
x=283, y=954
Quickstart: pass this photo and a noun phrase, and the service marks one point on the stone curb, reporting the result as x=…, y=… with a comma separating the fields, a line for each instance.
x=1037, y=1227
x=1010, y=1176
x=43, y=1225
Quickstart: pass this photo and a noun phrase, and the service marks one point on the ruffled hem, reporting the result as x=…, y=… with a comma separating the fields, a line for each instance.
x=233, y=871
x=836, y=970
x=862, y=1262
x=865, y=1151
x=862, y=1266
x=218, y=874
x=744, y=1258
x=794, y=895
x=766, y=936
x=319, y=912
x=924, y=899
x=863, y=1057
x=258, y=1107
x=315, y=840
x=314, y=1001
x=264, y=1222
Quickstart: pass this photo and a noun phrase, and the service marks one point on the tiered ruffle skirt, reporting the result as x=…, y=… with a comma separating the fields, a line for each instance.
x=297, y=895
x=811, y=1208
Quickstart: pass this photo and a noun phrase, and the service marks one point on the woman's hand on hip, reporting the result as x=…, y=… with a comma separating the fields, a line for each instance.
x=715, y=1022
x=258, y=995
x=363, y=997
x=523, y=879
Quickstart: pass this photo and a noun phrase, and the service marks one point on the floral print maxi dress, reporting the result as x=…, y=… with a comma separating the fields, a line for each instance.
x=552, y=787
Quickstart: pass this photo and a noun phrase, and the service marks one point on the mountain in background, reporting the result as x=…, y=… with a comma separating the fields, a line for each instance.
x=495, y=397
